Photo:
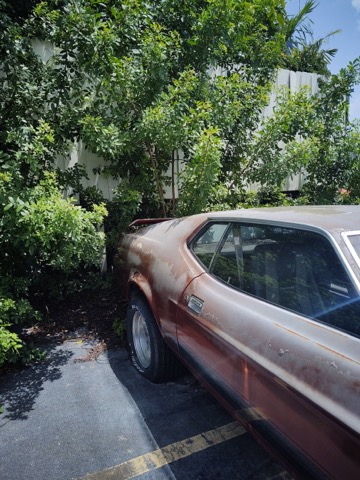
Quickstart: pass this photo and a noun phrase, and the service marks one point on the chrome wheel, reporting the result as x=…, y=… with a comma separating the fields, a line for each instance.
x=148, y=352
x=141, y=339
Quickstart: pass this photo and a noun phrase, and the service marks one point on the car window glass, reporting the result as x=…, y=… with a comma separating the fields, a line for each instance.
x=228, y=264
x=206, y=244
x=297, y=270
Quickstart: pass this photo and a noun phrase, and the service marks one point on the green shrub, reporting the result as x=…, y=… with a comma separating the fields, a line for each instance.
x=44, y=240
x=10, y=344
x=119, y=327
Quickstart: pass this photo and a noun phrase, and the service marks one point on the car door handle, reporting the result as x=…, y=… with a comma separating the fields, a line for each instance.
x=195, y=304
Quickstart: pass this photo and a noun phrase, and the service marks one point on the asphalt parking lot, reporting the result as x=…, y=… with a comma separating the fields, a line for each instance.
x=96, y=420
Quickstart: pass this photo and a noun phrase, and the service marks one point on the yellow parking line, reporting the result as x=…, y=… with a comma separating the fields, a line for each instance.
x=170, y=453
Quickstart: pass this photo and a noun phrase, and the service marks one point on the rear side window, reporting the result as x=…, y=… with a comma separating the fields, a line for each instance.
x=205, y=246
x=295, y=269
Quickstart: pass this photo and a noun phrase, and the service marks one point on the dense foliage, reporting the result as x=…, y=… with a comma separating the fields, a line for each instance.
x=137, y=82
x=142, y=83
x=44, y=238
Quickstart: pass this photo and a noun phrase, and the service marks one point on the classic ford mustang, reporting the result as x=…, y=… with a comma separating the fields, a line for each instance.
x=262, y=305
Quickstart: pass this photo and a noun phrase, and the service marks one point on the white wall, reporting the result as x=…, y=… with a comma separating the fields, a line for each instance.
x=83, y=156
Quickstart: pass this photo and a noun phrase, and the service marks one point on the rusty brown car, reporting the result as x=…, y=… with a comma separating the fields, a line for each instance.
x=262, y=306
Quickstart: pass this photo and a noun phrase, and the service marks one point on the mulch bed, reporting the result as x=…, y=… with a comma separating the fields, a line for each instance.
x=89, y=316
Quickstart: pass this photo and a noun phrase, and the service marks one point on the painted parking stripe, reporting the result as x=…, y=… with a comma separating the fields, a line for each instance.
x=171, y=453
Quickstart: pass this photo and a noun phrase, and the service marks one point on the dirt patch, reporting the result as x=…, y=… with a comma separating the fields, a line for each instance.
x=83, y=316
x=93, y=353
x=86, y=316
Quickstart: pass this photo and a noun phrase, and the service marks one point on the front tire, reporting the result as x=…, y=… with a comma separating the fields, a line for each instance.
x=149, y=353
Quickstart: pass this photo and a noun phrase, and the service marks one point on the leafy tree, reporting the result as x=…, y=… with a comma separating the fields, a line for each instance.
x=19, y=10
x=135, y=83
x=336, y=163
x=310, y=135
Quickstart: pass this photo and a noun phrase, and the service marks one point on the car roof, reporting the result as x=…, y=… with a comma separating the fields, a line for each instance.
x=333, y=218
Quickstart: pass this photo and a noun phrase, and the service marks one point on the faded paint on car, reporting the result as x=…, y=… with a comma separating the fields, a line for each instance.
x=236, y=354
x=300, y=377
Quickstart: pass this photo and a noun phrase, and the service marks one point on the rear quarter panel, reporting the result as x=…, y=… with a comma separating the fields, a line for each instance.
x=157, y=261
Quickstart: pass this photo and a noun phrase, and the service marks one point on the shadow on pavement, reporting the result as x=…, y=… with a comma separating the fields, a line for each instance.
x=182, y=409
x=18, y=392
x=173, y=410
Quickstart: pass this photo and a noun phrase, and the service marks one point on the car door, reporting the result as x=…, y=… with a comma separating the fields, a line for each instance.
x=262, y=330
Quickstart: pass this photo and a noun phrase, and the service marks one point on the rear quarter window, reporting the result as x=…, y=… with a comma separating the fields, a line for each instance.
x=206, y=244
